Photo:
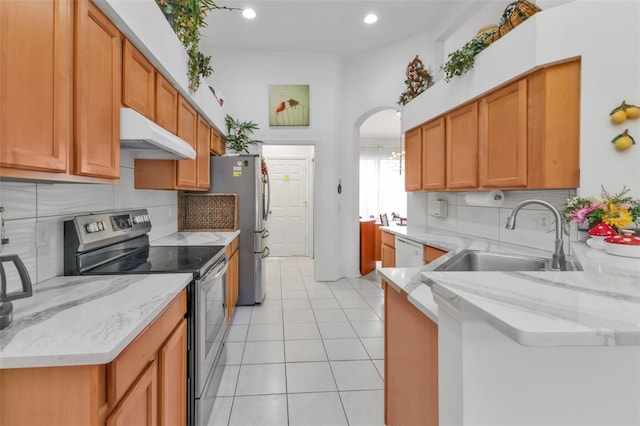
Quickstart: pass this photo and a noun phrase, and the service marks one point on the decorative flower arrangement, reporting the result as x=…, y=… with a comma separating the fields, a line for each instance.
x=418, y=80
x=616, y=210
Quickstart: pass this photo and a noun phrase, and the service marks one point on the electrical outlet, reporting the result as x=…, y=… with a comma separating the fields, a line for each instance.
x=544, y=221
x=42, y=234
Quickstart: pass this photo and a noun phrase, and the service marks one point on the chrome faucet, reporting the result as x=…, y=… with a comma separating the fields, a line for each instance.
x=558, y=261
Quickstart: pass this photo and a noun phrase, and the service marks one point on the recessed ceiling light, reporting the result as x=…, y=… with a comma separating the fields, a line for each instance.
x=249, y=13
x=370, y=18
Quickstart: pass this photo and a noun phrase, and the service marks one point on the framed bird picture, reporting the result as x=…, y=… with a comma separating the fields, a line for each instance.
x=289, y=105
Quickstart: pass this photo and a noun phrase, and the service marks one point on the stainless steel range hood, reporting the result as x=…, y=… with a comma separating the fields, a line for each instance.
x=146, y=139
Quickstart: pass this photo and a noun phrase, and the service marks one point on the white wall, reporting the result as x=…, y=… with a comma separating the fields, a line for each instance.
x=29, y=203
x=244, y=78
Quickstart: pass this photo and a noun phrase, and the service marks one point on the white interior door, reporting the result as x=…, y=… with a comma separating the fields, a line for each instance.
x=288, y=224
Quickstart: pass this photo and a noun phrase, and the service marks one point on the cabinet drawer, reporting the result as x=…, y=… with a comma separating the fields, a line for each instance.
x=430, y=254
x=388, y=239
x=123, y=371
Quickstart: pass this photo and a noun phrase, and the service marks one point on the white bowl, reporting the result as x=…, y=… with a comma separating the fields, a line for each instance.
x=596, y=242
x=622, y=249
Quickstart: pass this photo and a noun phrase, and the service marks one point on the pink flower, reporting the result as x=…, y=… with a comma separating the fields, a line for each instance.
x=580, y=214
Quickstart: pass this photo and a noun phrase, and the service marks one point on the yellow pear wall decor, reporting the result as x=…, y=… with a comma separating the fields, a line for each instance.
x=623, y=141
x=623, y=112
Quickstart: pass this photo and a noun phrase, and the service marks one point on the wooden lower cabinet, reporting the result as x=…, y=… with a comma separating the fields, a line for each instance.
x=145, y=385
x=410, y=363
x=429, y=254
x=140, y=406
x=388, y=249
x=232, y=277
x=367, y=246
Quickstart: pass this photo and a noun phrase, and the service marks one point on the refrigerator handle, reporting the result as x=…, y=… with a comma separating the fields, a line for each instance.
x=266, y=206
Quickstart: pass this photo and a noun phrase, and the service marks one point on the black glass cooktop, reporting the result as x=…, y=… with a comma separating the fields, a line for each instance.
x=164, y=259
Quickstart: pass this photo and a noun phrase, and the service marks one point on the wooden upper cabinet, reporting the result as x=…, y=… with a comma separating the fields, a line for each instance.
x=554, y=126
x=98, y=75
x=413, y=159
x=217, y=145
x=166, y=104
x=36, y=84
x=462, y=147
x=433, y=155
x=202, y=151
x=138, y=81
x=187, y=123
x=503, y=137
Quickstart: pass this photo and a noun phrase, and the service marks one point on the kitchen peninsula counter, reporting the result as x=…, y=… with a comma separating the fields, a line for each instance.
x=544, y=347
x=84, y=320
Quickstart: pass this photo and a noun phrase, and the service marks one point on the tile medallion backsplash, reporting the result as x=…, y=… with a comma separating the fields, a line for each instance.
x=29, y=206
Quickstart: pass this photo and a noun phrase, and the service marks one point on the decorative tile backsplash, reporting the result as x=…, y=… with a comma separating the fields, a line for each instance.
x=535, y=224
x=27, y=204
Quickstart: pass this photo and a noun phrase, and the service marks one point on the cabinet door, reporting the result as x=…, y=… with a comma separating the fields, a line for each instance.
x=173, y=378
x=140, y=405
x=187, y=120
x=413, y=159
x=166, y=104
x=36, y=84
x=202, y=151
x=433, y=155
x=388, y=255
x=232, y=284
x=462, y=147
x=138, y=81
x=215, y=143
x=410, y=363
x=97, y=93
x=503, y=137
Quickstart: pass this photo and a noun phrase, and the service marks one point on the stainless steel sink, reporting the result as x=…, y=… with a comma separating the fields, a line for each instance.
x=476, y=260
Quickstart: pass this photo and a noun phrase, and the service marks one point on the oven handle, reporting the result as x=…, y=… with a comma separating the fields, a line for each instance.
x=217, y=270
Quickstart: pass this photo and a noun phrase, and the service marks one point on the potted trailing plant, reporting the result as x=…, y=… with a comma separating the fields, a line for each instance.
x=187, y=17
x=462, y=60
x=239, y=134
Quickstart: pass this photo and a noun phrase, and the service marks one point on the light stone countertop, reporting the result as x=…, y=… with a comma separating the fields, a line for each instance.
x=599, y=306
x=84, y=320
x=196, y=239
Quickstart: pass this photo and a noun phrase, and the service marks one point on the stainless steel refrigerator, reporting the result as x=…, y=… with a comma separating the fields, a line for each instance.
x=245, y=176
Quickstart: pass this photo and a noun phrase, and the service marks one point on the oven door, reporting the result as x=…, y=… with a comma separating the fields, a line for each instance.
x=210, y=320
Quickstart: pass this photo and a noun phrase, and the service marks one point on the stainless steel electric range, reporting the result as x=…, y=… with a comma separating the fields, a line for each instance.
x=117, y=243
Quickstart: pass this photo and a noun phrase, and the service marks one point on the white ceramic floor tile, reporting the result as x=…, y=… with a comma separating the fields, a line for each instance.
x=319, y=293
x=261, y=379
x=241, y=315
x=370, y=292
x=262, y=410
x=262, y=332
x=237, y=333
x=361, y=314
x=266, y=316
x=221, y=412
x=297, y=316
x=364, y=408
x=301, y=331
x=326, y=303
x=356, y=375
x=353, y=302
x=330, y=315
x=270, y=304
x=304, y=350
x=234, y=352
x=263, y=352
x=296, y=304
x=375, y=302
x=316, y=409
x=379, y=363
x=309, y=377
x=368, y=328
x=345, y=349
x=229, y=381
x=294, y=294
x=374, y=346
x=345, y=293
x=336, y=330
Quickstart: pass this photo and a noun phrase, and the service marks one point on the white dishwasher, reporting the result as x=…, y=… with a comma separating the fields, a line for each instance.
x=408, y=253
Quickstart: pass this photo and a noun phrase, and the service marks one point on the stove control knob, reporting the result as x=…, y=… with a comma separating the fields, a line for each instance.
x=91, y=227
x=137, y=219
x=101, y=226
